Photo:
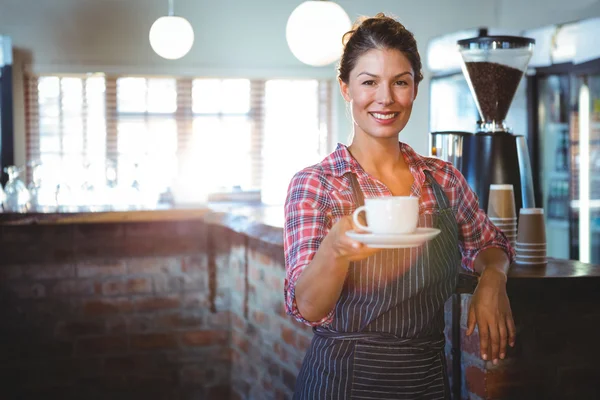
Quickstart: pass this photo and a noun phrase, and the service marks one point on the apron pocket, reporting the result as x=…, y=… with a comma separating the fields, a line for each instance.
x=390, y=372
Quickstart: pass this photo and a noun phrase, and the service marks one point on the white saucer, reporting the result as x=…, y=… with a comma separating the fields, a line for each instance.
x=395, y=241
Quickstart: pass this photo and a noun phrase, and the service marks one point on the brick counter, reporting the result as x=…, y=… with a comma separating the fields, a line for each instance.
x=192, y=308
x=114, y=310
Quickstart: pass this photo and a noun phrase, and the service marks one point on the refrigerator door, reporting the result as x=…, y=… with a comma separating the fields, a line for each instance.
x=553, y=151
x=585, y=168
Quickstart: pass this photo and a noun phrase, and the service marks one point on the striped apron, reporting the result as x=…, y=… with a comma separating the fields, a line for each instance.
x=386, y=340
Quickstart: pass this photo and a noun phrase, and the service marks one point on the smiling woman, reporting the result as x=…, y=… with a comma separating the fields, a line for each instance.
x=381, y=92
x=377, y=312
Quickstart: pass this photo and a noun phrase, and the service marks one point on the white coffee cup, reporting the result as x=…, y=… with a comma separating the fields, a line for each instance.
x=389, y=215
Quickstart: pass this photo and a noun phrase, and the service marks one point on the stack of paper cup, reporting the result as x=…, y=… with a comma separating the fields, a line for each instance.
x=502, y=211
x=531, y=237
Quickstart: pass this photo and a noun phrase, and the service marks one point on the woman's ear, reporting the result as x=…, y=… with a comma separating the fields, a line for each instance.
x=344, y=90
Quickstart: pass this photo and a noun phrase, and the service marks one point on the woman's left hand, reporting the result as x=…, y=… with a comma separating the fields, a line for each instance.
x=490, y=309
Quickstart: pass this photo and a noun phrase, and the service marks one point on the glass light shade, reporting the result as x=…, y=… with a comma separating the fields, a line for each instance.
x=314, y=32
x=171, y=37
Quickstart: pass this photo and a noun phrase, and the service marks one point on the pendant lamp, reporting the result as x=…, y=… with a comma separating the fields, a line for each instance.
x=314, y=32
x=171, y=37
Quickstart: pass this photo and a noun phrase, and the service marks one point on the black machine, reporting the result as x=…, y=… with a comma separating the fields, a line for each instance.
x=493, y=67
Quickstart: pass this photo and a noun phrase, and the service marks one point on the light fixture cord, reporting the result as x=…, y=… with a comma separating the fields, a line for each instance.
x=171, y=8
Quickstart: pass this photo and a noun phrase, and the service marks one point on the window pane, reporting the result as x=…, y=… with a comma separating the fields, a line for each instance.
x=131, y=94
x=228, y=96
x=49, y=126
x=48, y=96
x=220, y=150
x=72, y=96
x=49, y=86
x=162, y=96
x=206, y=96
x=280, y=162
x=147, y=151
x=50, y=143
x=235, y=96
x=131, y=132
x=152, y=136
x=96, y=138
x=72, y=137
x=73, y=144
x=72, y=126
x=236, y=169
x=163, y=137
x=95, y=97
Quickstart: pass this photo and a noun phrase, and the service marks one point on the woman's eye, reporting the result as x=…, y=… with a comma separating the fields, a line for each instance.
x=401, y=83
x=368, y=83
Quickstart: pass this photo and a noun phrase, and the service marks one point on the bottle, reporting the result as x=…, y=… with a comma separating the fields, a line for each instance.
x=16, y=193
x=565, y=149
x=2, y=198
x=559, y=156
x=551, y=200
x=564, y=200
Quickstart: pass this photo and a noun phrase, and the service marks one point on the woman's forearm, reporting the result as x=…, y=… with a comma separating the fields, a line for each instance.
x=320, y=284
x=492, y=261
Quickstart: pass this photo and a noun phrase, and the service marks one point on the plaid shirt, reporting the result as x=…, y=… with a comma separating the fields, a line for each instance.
x=321, y=194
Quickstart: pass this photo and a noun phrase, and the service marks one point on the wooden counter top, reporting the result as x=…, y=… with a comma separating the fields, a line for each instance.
x=103, y=217
x=555, y=268
x=260, y=222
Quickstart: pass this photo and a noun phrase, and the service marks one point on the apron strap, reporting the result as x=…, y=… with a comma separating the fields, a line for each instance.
x=438, y=192
x=359, y=197
x=435, y=342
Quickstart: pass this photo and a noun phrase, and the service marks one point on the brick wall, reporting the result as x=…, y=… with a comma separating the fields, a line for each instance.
x=80, y=326
x=268, y=345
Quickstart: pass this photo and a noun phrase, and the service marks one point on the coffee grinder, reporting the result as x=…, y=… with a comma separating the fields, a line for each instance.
x=493, y=67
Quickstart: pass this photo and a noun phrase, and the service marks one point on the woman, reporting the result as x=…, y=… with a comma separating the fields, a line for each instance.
x=378, y=315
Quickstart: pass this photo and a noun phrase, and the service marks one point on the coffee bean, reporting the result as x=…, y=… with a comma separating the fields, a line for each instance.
x=495, y=86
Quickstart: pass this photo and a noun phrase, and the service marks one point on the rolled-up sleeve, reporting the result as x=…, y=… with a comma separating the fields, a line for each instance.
x=307, y=221
x=476, y=231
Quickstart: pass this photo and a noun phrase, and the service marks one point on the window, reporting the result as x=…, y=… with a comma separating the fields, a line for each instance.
x=146, y=147
x=292, y=139
x=66, y=133
x=196, y=137
x=221, y=134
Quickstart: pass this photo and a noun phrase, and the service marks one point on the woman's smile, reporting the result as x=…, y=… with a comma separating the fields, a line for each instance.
x=385, y=118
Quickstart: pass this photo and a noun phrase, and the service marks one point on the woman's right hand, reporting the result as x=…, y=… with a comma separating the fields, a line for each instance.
x=321, y=282
x=345, y=247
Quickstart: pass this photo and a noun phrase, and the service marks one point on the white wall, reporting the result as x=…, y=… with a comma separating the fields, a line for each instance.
x=236, y=38
x=536, y=13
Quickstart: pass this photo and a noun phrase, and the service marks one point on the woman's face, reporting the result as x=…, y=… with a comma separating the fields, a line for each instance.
x=381, y=90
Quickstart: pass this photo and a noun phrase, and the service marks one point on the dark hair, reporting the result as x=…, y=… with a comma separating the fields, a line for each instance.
x=378, y=32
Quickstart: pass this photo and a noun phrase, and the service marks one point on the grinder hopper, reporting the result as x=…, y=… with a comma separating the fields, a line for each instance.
x=493, y=67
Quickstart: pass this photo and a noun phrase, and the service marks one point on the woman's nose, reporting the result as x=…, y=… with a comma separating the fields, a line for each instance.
x=385, y=95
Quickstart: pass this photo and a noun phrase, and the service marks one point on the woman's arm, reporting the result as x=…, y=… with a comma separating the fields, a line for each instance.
x=317, y=252
x=490, y=307
x=319, y=286
x=487, y=251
